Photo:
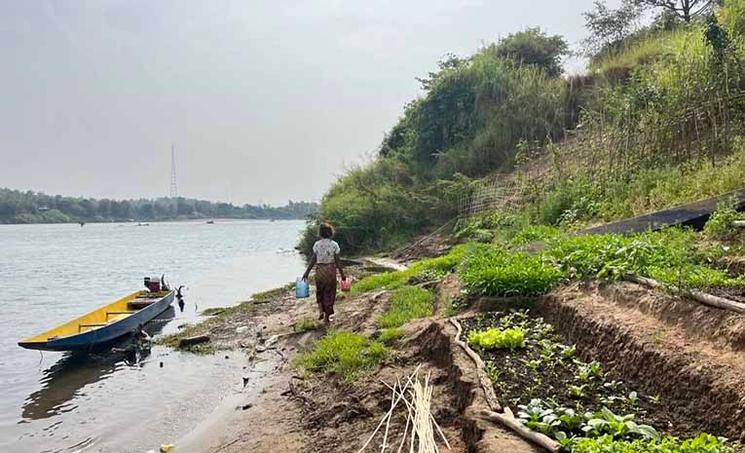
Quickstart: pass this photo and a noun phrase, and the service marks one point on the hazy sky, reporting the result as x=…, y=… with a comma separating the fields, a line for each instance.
x=265, y=101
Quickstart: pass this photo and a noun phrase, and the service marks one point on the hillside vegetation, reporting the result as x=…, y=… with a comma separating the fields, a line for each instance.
x=656, y=120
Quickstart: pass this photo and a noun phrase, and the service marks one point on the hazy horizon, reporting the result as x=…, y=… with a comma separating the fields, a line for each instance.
x=265, y=102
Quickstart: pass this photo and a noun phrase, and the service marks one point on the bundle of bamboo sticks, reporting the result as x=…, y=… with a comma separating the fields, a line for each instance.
x=415, y=397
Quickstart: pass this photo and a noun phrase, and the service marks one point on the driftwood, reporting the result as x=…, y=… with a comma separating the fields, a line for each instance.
x=698, y=296
x=508, y=420
x=491, y=397
x=190, y=341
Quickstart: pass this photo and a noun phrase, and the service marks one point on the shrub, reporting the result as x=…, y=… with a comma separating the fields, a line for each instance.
x=344, y=354
x=405, y=304
x=490, y=271
x=495, y=338
x=720, y=224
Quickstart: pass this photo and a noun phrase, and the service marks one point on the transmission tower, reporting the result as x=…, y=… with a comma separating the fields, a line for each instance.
x=174, y=189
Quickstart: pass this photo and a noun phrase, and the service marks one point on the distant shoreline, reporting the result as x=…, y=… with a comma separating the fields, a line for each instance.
x=143, y=222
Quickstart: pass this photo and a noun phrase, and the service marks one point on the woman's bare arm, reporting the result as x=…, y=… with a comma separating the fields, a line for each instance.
x=310, y=266
x=338, y=266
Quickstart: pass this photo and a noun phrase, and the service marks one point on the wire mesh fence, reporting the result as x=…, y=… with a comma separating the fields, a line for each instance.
x=495, y=194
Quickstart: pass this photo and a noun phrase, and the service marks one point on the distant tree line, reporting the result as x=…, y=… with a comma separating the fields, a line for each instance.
x=35, y=207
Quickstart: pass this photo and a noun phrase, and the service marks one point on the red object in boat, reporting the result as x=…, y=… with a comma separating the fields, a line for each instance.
x=152, y=284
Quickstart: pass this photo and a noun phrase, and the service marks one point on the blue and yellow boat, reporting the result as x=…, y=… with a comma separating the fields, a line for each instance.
x=104, y=324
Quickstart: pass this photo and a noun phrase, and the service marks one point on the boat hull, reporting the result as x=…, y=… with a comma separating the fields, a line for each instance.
x=109, y=332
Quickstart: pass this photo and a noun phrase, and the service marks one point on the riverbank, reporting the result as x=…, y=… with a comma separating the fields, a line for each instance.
x=589, y=350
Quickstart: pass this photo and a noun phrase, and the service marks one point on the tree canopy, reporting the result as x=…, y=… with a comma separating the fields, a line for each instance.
x=35, y=207
x=534, y=47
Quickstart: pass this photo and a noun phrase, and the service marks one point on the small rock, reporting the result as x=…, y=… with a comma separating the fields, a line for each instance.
x=241, y=329
x=161, y=364
x=245, y=381
x=247, y=406
x=227, y=357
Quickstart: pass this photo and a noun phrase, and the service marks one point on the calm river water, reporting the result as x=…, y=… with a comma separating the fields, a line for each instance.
x=52, y=273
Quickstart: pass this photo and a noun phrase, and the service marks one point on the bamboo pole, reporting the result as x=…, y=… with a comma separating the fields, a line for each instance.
x=486, y=385
x=698, y=296
x=509, y=421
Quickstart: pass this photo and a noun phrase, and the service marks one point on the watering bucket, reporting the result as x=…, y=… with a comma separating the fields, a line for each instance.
x=346, y=284
x=302, y=288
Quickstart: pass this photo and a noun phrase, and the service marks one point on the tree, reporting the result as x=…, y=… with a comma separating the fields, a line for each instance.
x=685, y=9
x=533, y=47
x=609, y=27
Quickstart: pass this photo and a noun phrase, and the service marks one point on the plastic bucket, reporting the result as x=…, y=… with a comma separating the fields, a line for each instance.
x=302, y=288
x=346, y=285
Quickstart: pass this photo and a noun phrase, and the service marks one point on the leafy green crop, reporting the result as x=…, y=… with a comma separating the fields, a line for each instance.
x=703, y=443
x=495, y=338
x=494, y=272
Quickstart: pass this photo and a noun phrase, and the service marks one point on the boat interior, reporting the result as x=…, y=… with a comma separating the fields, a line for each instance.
x=101, y=316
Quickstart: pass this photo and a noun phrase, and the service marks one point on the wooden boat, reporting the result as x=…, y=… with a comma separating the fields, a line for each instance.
x=103, y=324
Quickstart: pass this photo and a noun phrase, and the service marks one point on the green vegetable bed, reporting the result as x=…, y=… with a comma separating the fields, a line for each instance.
x=580, y=404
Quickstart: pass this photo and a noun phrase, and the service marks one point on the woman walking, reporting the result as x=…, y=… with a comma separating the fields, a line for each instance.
x=326, y=259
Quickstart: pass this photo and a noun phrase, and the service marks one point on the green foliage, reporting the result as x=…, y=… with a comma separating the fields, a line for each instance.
x=557, y=421
x=495, y=338
x=394, y=280
x=344, y=354
x=533, y=47
x=533, y=233
x=609, y=27
x=36, y=207
x=720, y=224
x=732, y=17
x=405, y=304
x=385, y=280
x=390, y=335
x=306, y=324
x=491, y=271
x=605, y=422
x=703, y=443
x=669, y=256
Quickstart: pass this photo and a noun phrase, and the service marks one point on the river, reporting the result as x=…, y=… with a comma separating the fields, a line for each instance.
x=52, y=273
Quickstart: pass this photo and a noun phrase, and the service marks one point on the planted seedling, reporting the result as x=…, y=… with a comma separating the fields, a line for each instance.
x=577, y=391
x=617, y=426
x=569, y=352
x=590, y=370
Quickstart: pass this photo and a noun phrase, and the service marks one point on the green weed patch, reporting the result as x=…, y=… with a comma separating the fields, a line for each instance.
x=390, y=335
x=344, y=354
x=405, y=304
x=393, y=280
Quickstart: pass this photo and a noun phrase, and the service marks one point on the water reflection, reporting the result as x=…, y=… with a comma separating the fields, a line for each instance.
x=62, y=381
